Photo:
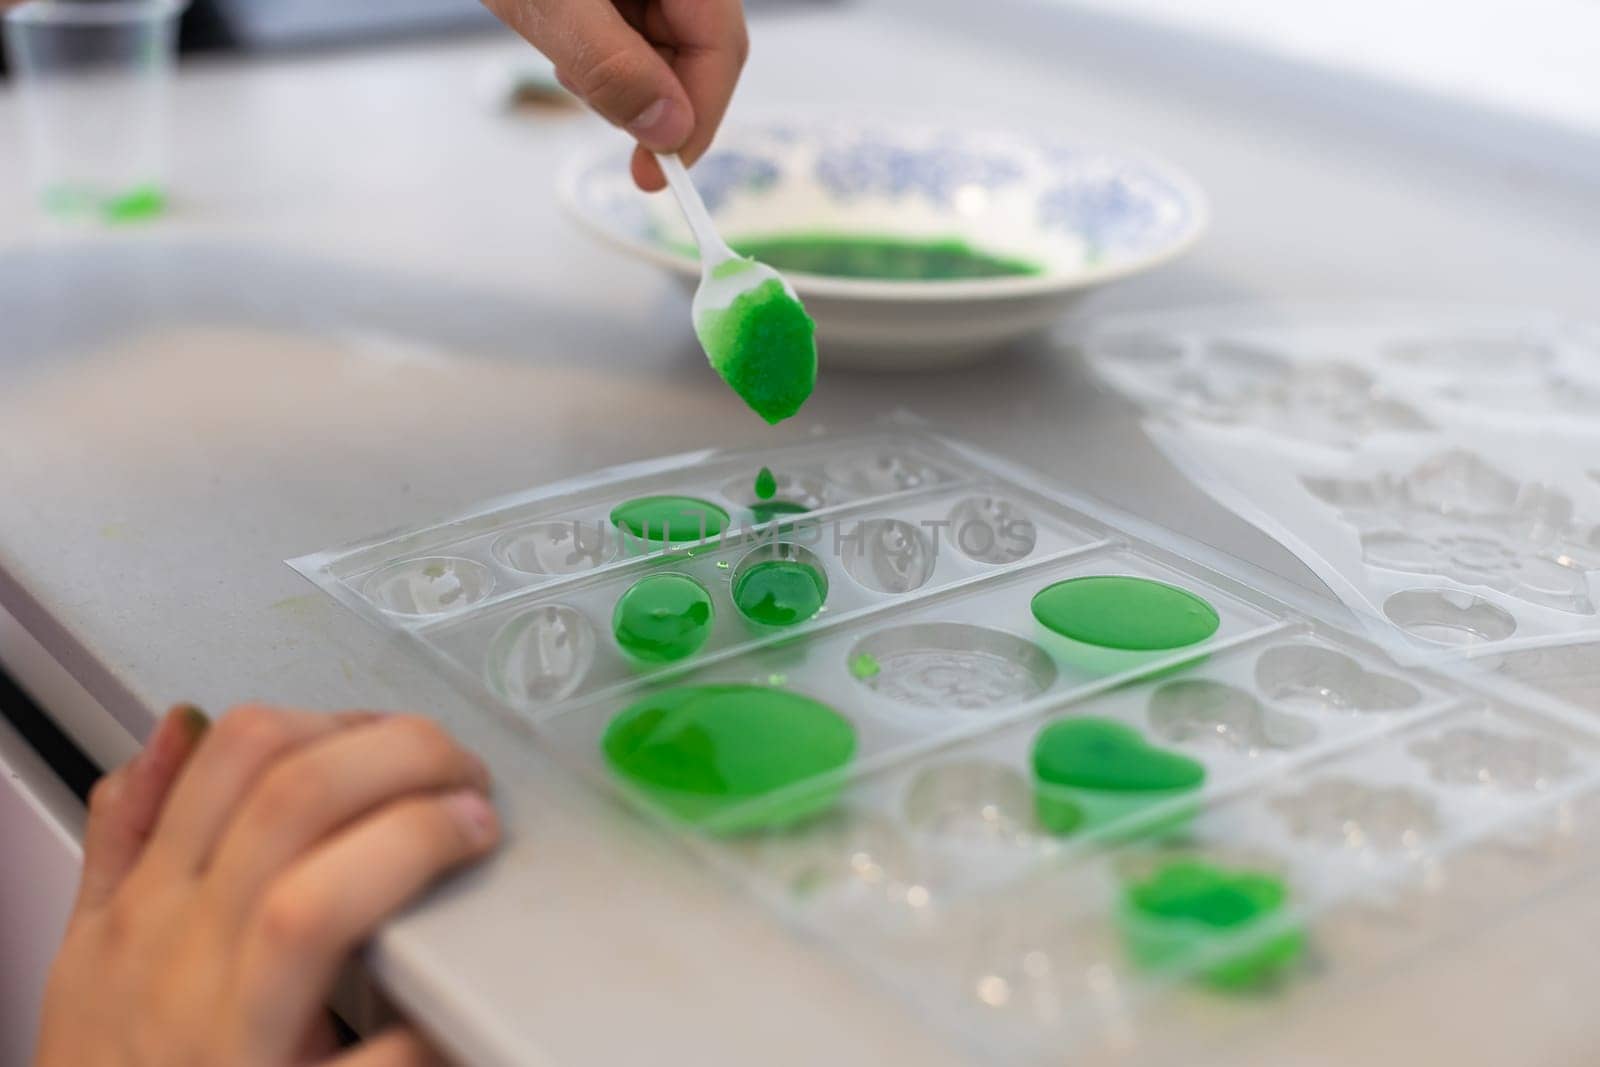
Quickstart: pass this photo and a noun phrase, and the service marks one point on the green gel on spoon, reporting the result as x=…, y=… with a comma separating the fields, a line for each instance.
x=754, y=329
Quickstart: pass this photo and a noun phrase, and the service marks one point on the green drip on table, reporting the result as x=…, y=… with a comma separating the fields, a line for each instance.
x=1124, y=613
x=700, y=752
x=882, y=258
x=672, y=520
x=766, y=484
x=662, y=618
x=779, y=592
x=1187, y=908
x=138, y=204
x=764, y=346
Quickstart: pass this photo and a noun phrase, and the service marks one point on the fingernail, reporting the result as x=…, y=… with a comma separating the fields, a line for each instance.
x=662, y=126
x=195, y=722
x=472, y=811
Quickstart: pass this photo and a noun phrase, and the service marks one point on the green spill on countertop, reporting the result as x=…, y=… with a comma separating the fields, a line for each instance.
x=764, y=347
x=662, y=617
x=699, y=752
x=1184, y=914
x=1125, y=613
x=779, y=592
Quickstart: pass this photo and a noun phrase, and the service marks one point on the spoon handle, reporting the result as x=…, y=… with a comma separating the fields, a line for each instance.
x=713, y=249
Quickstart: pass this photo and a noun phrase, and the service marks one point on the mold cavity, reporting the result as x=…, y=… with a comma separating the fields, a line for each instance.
x=429, y=586
x=1449, y=617
x=972, y=800
x=557, y=547
x=541, y=656
x=991, y=529
x=1571, y=672
x=791, y=494
x=1343, y=811
x=1320, y=679
x=1497, y=352
x=779, y=584
x=882, y=472
x=843, y=852
x=888, y=555
x=951, y=665
x=1211, y=712
x=1468, y=755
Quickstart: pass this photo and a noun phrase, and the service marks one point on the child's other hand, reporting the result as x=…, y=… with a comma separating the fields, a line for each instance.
x=228, y=874
x=664, y=70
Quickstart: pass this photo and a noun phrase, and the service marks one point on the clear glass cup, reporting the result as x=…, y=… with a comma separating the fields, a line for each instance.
x=93, y=78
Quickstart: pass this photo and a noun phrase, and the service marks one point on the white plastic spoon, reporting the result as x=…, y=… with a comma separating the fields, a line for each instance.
x=754, y=329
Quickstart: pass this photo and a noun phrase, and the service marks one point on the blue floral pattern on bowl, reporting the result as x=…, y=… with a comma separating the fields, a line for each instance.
x=870, y=165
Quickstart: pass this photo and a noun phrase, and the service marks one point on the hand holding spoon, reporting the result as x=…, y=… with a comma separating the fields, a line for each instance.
x=754, y=329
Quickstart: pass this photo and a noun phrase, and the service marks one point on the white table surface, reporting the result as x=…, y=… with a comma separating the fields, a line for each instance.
x=366, y=311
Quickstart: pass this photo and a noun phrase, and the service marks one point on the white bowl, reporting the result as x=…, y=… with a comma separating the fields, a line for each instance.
x=1082, y=215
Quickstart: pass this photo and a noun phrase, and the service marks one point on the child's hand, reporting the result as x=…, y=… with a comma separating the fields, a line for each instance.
x=228, y=874
x=664, y=70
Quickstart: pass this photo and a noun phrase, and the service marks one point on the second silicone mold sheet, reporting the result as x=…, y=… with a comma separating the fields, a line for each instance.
x=1437, y=468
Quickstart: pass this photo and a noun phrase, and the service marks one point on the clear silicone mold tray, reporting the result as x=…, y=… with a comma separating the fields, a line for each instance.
x=543, y=537
x=978, y=811
x=1245, y=898
x=908, y=677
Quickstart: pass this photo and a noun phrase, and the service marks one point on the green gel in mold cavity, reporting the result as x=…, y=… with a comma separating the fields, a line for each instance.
x=883, y=258
x=764, y=347
x=1091, y=770
x=779, y=592
x=1125, y=613
x=662, y=618
x=1189, y=909
x=865, y=666
x=671, y=520
x=705, y=753
x=766, y=484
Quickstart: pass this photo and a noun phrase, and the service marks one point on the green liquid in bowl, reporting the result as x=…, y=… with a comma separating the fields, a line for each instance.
x=881, y=258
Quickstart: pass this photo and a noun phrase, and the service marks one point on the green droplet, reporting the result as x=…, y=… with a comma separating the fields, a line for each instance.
x=701, y=751
x=766, y=484
x=779, y=592
x=1187, y=907
x=865, y=666
x=1129, y=614
x=763, y=345
x=777, y=679
x=672, y=520
x=887, y=258
x=663, y=617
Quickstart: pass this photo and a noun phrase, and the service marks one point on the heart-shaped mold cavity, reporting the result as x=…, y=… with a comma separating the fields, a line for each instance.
x=541, y=656
x=1469, y=755
x=1204, y=711
x=557, y=547
x=945, y=665
x=1320, y=679
x=1184, y=917
x=878, y=473
x=1090, y=771
x=971, y=800
x=1449, y=617
x=1343, y=811
x=991, y=529
x=888, y=555
x=430, y=586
